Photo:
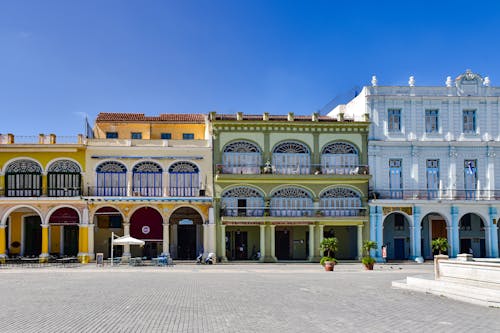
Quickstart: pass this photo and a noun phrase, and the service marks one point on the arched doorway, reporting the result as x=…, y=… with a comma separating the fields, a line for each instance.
x=397, y=236
x=146, y=224
x=471, y=235
x=433, y=226
x=187, y=233
x=63, y=232
x=24, y=233
x=106, y=221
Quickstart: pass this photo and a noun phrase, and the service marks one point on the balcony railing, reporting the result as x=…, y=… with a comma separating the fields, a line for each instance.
x=124, y=191
x=311, y=169
x=435, y=194
x=290, y=212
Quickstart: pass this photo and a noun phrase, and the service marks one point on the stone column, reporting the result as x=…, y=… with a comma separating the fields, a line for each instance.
x=360, y=241
x=166, y=240
x=61, y=239
x=211, y=245
x=126, y=248
x=205, y=240
x=373, y=230
x=83, y=243
x=455, y=237
x=273, y=242
x=320, y=236
x=3, y=244
x=174, y=242
x=262, y=242
x=312, y=246
x=380, y=234
x=91, y=241
x=223, y=242
x=45, y=243
x=493, y=234
x=417, y=235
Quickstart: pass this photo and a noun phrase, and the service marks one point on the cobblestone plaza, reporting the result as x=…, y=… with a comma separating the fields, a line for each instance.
x=229, y=298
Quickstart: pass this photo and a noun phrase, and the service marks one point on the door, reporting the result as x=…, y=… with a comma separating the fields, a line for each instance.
x=439, y=231
x=71, y=240
x=482, y=248
x=240, y=245
x=186, y=242
x=282, y=245
x=465, y=245
x=399, y=249
x=32, y=236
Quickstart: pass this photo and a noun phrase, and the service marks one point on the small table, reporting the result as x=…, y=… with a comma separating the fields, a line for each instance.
x=136, y=261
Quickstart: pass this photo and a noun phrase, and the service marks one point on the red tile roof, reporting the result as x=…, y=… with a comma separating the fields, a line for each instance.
x=140, y=117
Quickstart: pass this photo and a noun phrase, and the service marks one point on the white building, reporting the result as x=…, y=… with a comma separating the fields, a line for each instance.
x=434, y=152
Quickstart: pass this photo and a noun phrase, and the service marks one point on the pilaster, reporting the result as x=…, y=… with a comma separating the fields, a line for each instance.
x=454, y=239
x=166, y=240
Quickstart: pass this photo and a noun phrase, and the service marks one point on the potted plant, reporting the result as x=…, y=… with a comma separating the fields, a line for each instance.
x=440, y=245
x=329, y=245
x=367, y=259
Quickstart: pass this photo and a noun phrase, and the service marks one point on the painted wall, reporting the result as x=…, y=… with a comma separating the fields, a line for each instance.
x=150, y=130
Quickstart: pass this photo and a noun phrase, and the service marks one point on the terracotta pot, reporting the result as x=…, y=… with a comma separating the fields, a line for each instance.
x=329, y=265
x=369, y=267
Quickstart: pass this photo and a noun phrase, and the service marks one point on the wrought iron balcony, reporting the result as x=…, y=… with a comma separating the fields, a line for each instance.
x=124, y=191
x=290, y=212
x=309, y=169
x=435, y=194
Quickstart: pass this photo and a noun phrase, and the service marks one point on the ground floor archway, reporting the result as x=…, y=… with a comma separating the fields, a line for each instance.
x=64, y=232
x=433, y=226
x=107, y=220
x=24, y=233
x=472, y=235
x=186, y=231
x=396, y=236
x=347, y=237
x=146, y=223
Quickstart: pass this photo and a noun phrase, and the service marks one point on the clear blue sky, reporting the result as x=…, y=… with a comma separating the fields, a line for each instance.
x=60, y=59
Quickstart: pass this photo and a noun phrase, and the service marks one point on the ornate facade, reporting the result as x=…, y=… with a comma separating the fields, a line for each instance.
x=433, y=154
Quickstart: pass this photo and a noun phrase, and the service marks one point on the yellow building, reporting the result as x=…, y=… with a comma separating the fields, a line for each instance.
x=150, y=177
x=41, y=211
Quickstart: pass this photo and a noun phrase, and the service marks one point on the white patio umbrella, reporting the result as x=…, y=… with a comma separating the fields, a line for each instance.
x=124, y=240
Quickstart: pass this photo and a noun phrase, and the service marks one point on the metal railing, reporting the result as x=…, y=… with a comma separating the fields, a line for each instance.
x=291, y=212
x=310, y=169
x=435, y=194
x=124, y=191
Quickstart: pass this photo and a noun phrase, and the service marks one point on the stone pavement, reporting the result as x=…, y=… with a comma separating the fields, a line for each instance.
x=229, y=298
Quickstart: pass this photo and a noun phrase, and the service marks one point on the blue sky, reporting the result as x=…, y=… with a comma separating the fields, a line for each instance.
x=62, y=59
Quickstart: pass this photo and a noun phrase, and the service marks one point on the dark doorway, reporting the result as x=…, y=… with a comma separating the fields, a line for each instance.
x=240, y=245
x=399, y=248
x=482, y=248
x=242, y=205
x=71, y=240
x=465, y=245
x=32, y=236
x=186, y=240
x=282, y=245
x=152, y=249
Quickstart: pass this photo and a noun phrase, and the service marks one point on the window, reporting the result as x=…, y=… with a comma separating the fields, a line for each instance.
x=395, y=179
x=469, y=121
x=432, y=170
x=64, y=179
x=241, y=157
x=394, y=116
x=470, y=178
x=166, y=136
x=187, y=136
x=111, y=135
x=431, y=121
x=136, y=135
x=465, y=222
x=399, y=222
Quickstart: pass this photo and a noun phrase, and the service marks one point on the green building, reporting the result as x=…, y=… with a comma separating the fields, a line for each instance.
x=283, y=183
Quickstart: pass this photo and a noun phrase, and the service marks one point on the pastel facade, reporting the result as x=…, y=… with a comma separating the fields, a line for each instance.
x=283, y=183
x=433, y=154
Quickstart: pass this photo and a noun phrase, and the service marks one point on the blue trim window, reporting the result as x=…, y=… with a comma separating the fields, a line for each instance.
x=431, y=121
x=241, y=157
x=470, y=179
x=136, y=135
x=187, y=136
x=339, y=158
x=396, y=178
x=111, y=135
x=291, y=202
x=166, y=136
x=469, y=124
x=184, y=179
x=147, y=179
x=394, y=120
x=432, y=170
x=111, y=179
x=291, y=158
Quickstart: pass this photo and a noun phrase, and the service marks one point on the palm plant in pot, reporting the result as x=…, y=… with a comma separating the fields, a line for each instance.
x=367, y=259
x=329, y=245
x=440, y=245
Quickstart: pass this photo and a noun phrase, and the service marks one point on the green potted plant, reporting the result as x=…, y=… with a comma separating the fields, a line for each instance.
x=440, y=245
x=368, y=261
x=329, y=245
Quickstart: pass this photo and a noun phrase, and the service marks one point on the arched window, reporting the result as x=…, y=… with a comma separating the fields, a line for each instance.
x=23, y=178
x=340, y=201
x=291, y=201
x=291, y=158
x=339, y=158
x=184, y=180
x=147, y=179
x=242, y=201
x=241, y=157
x=64, y=179
x=111, y=179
